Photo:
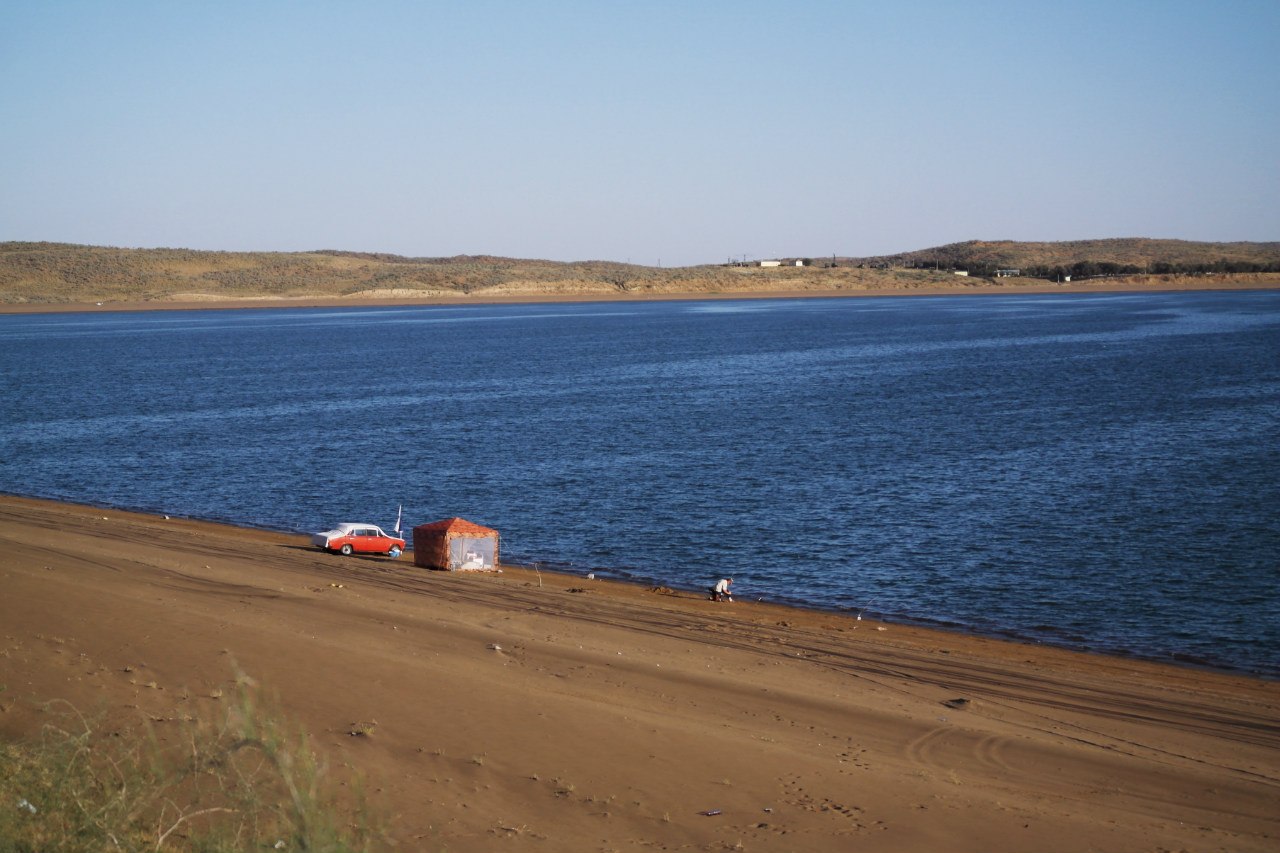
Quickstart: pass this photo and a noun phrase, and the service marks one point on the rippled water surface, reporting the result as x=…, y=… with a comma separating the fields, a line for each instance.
x=1097, y=471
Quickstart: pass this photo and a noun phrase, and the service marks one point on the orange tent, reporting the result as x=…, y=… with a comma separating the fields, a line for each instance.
x=455, y=544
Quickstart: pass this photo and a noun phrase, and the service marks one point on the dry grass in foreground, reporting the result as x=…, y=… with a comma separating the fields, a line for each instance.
x=246, y=781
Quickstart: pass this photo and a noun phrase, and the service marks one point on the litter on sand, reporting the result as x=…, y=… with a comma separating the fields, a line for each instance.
x=710, y=813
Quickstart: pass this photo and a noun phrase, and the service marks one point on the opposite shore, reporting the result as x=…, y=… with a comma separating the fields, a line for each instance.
x=405, y=298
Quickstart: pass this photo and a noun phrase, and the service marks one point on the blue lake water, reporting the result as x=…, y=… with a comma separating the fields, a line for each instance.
x=1094, y=471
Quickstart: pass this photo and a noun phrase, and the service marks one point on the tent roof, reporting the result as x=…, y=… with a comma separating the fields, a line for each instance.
x=458, y=525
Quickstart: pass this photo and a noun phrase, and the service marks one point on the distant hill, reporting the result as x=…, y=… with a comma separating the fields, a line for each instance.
x=1129, y=256
x=61, y=273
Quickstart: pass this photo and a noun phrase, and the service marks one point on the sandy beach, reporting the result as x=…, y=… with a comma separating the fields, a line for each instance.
x=548, y=712
x=966, y=287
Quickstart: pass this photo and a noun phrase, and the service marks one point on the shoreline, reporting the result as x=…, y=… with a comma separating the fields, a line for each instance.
x=923, y=623
x=567, y=576
x=985, y=289
x=539, y=707
x=622, y=586
x=1005, y=635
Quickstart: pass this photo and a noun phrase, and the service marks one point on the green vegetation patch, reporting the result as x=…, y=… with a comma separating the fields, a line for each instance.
x=244, y=781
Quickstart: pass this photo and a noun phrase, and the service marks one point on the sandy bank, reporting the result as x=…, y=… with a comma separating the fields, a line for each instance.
x=608, y=716
x=976, y=287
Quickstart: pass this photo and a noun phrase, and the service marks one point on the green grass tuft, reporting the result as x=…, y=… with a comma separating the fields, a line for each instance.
x=247, y=780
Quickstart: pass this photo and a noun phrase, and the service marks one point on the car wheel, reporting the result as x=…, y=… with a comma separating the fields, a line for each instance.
x=346, y=550
x=394, y=552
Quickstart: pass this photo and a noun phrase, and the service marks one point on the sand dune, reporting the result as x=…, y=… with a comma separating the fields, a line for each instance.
x=520, y=712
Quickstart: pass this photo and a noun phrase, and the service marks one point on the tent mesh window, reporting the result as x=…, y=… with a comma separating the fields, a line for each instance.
x=472, y=552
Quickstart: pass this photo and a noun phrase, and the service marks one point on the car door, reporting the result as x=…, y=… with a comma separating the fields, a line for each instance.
x=367, y=541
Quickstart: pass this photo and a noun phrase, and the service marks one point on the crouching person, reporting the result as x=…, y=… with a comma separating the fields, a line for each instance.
x=721, y=591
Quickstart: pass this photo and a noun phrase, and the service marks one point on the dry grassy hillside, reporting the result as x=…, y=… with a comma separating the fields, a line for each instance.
x=54, y=273
x=58, y=273
x=1129, y=256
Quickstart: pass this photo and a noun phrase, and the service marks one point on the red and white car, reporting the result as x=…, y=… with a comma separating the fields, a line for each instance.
x=348, y=539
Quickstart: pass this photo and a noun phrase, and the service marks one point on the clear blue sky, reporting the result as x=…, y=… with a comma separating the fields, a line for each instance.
x=674, y=132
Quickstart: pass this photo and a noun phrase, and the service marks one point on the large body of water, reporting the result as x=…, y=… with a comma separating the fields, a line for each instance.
x=1095, y=471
